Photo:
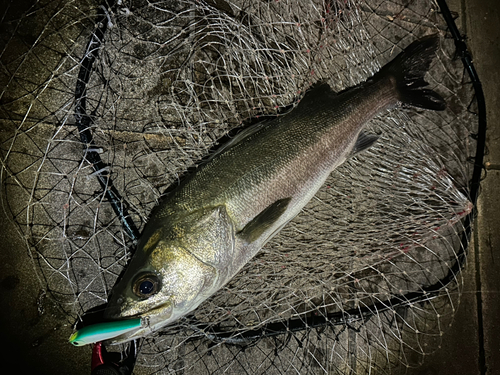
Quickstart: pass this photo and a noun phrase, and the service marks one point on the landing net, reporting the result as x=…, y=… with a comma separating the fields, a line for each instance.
x=365, y=280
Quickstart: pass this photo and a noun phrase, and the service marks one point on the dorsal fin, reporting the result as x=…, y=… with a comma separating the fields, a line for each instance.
x=316, y=93
x=245, y=133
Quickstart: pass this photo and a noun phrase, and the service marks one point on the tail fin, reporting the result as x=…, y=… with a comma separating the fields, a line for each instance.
x=409, y=68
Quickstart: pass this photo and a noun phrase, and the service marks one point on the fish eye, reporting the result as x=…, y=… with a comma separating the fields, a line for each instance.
x=146, y=285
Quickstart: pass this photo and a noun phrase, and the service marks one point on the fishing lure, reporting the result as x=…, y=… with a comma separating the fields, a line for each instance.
x=104, y=331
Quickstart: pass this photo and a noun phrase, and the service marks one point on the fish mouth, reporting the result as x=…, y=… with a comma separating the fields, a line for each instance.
x=115, y=311
x=132, y=335
x=166, y=308
x=151, y=321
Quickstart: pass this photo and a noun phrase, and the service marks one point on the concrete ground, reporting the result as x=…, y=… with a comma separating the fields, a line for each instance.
x=31, y=342
x=472, y=345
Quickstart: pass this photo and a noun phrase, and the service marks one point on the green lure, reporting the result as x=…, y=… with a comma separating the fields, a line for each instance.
x=104, y=331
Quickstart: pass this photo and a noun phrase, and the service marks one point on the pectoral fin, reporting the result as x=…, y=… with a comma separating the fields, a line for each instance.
x=364, y=142
x=263, y=221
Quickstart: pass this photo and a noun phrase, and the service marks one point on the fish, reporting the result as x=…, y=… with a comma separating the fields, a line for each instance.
x=210, y=225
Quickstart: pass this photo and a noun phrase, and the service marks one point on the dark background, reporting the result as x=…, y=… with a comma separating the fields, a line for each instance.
x=33, y=343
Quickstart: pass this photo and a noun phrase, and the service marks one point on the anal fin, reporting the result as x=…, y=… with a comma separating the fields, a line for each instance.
x=364, y=142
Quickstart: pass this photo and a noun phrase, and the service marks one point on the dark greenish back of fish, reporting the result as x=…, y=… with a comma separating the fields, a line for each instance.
x=210, y=226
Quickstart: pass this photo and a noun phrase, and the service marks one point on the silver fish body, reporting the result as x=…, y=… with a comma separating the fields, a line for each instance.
x=211, y=225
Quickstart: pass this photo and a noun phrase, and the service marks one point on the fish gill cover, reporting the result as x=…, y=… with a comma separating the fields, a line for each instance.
x=362, y=280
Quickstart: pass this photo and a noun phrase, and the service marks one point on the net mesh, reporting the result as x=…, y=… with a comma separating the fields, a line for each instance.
x=364, y=280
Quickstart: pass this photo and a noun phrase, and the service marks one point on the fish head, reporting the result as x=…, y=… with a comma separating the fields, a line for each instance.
x=174, y=269
x=160, y=288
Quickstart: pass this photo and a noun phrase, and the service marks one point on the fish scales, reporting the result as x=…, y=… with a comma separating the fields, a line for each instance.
x=285, y=156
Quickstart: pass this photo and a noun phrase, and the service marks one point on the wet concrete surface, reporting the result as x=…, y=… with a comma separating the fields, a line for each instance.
x=484, y=18
x=34, y=331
